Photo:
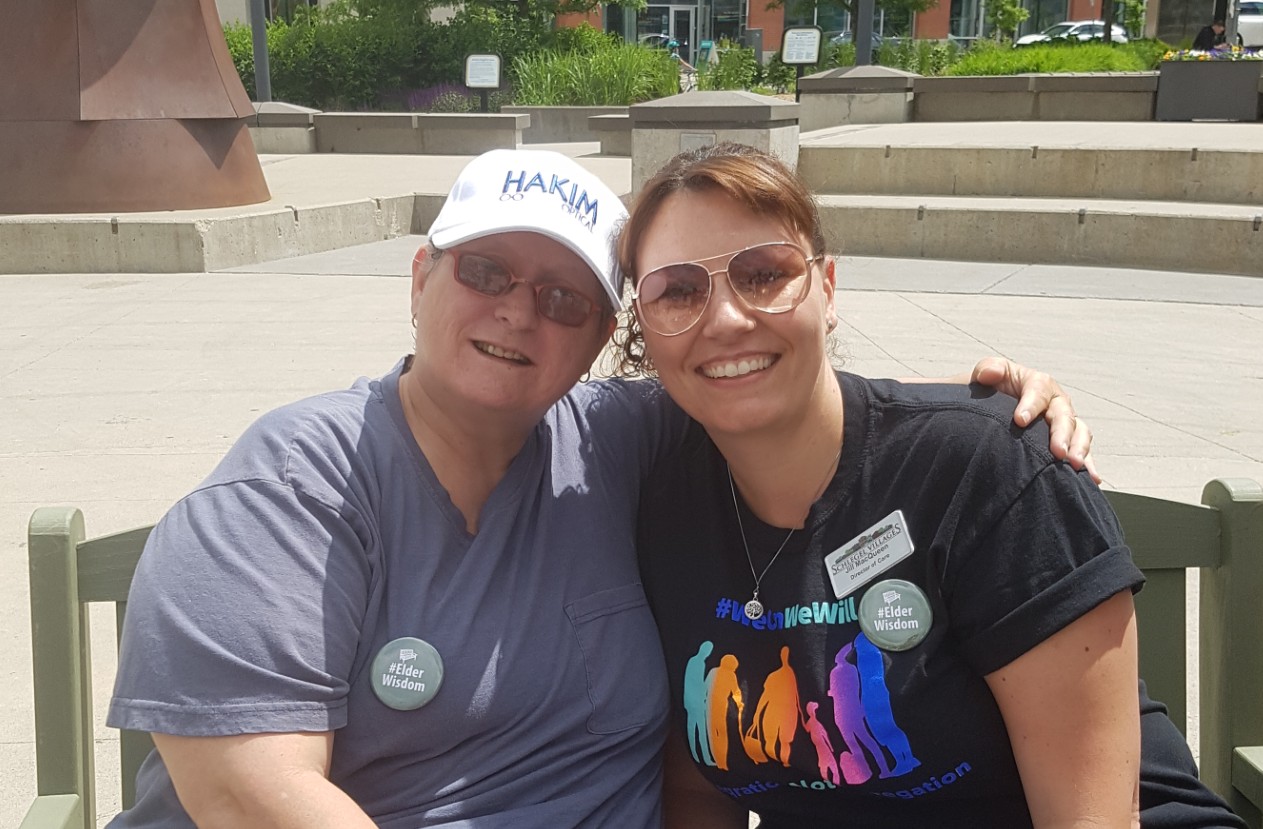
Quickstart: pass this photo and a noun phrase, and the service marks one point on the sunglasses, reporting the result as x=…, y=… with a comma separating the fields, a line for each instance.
x=772, y=278
x=562, y=305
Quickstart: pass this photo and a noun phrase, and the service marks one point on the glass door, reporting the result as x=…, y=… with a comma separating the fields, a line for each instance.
x=669, y=27
x=684, y=31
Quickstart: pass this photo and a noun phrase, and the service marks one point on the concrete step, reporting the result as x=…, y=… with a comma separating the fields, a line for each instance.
x=1225, y=176
x=1183, y=236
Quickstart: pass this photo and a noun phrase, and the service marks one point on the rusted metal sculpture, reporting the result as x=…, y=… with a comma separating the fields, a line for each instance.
x=120, y=106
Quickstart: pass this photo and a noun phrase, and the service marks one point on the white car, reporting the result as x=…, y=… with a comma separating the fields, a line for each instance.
x=1075, y=29
x=1250, y=24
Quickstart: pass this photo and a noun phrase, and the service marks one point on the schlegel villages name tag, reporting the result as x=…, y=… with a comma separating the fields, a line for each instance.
x=872, y=552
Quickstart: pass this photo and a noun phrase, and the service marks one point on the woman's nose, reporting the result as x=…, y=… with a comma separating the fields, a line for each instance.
x=725, y=313
x=518, y=308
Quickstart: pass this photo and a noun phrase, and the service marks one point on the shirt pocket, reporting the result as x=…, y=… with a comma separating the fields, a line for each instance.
x=626, y=672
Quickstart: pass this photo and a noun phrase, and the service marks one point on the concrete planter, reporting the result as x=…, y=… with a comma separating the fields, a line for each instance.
x=561, y=123
x=1220, y=90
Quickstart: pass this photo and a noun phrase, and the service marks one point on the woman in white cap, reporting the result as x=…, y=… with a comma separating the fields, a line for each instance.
x=943, y=606
x=415, y=603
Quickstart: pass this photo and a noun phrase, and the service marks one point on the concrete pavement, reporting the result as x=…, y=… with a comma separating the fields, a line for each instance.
x=119, y=391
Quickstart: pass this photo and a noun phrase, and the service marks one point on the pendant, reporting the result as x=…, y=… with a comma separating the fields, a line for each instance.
x=754, y=609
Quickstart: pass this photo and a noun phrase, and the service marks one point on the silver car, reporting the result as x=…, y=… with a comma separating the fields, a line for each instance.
x=1075, y=30
x=1250, y=24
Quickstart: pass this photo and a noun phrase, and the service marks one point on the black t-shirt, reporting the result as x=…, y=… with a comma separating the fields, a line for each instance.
x=798, y=715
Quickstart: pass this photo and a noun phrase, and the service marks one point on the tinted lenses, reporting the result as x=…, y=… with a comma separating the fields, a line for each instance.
x=554, y=302
x=771, y=277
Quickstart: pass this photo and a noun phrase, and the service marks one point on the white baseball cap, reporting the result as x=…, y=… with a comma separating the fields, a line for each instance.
x=538, y=191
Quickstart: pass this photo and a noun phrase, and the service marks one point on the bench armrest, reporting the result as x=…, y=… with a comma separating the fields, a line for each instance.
x=1247, y=773
x=54, y=811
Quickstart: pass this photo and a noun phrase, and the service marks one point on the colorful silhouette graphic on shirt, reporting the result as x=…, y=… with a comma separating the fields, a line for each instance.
x=752, y=742
x=848, y=715
x=875, y=697
x=776, y=717
x=695, y=705
x=824, y=748
x=722, y=686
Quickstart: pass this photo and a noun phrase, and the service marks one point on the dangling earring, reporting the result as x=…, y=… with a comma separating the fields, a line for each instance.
x=585, y=377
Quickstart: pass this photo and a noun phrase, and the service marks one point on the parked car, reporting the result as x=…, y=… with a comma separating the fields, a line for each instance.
x=1250, y=24
x=847, y=36
x=655, y=41
x=1074, y=30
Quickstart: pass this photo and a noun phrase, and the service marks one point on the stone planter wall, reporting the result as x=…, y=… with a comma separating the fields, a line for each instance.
x=550, y=125
x=1224, y=90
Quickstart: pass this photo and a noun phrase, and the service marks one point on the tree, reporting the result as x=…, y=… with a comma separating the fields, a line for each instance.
x=1005, y=16
x=1134, y=17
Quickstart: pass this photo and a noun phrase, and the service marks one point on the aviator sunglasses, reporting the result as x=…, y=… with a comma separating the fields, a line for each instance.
x=488, y=277
x=772, y=277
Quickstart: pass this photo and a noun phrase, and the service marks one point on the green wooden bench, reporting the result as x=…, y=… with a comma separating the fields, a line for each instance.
x=1224, y=538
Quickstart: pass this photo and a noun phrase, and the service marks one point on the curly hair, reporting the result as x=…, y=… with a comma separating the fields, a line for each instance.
x=753, y=178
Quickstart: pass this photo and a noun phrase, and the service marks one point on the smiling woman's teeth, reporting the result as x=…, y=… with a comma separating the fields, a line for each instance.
x=736, y=369
x=501, y=353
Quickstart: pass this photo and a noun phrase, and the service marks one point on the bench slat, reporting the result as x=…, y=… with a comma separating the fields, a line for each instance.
x=1166, y=534
x=1162, y=626
x=106, y=565
x=1247, y=773
x=54, y=811
x=64, y=762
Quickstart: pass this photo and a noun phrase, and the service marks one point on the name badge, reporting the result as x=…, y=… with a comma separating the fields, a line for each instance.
x=407, y=673
x=872, y=552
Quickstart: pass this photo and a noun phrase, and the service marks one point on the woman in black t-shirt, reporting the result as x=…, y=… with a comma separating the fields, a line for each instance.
x=883, y=604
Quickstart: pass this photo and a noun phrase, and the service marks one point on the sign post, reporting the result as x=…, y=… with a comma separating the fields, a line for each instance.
x=482, y=72
x=800, y=46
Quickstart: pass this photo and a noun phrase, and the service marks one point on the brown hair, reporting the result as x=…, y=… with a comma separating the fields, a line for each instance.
x=755, y=179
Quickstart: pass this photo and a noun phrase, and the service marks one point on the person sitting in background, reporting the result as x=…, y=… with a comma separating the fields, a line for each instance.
x=1210, y=37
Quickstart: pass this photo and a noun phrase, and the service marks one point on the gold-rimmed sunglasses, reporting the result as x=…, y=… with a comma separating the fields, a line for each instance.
x=772, y=277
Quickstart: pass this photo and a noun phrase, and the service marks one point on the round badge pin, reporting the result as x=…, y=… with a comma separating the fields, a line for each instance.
x=407, y=673
x=895, y=615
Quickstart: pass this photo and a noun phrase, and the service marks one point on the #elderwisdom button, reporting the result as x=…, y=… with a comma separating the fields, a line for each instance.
x=895, y=615
x=407, y=673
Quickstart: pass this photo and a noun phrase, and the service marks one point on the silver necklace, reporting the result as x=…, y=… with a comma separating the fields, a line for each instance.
x=754, y=608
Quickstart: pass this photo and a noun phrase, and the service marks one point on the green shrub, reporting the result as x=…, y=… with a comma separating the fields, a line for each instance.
x=841, y=54
x=369, y=54
x=456, y=99
x=583, y=38
x=734, y=68
x=618, y=75
x=241, y=48
x=332, y=58
x=1149, y=52
x=924, y=57
x=1080, y=57
x=478, y=29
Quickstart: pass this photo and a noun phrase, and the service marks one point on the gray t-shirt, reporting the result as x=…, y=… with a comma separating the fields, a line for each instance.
x=263, y=597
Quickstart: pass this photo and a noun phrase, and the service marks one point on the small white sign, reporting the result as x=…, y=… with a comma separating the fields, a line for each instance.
x=874, y=551
x=482, y=71
x=801, y=46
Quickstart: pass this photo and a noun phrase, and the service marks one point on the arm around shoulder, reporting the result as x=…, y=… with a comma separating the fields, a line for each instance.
x=259, y=781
